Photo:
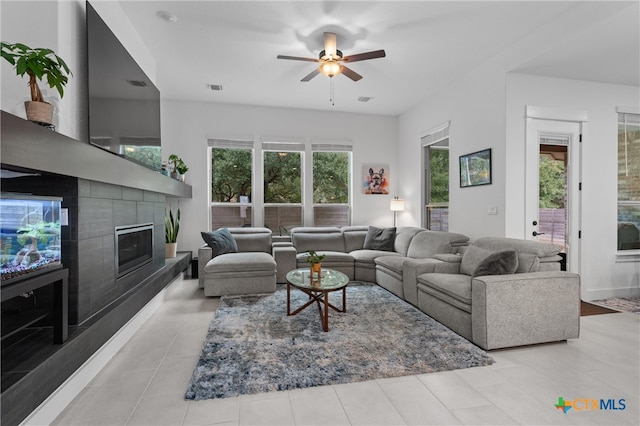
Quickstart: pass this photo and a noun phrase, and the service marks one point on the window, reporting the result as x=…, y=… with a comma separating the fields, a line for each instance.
x=331, y=184
x=436, y=179
x=628, y=181
x=231, y=183
x=282, y=185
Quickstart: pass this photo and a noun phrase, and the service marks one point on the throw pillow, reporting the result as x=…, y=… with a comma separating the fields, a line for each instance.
x=380, y=239
x=498, y=263
x=221, y=241
x=471, y=258
x=527, y=262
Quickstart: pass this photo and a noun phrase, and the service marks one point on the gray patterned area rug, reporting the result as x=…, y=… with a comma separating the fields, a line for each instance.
x=625, y=304
x=253, y=346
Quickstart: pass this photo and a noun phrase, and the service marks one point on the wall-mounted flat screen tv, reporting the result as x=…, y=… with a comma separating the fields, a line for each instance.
x=124, y=104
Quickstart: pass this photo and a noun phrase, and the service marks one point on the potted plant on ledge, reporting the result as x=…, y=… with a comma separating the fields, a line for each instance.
x=172, y=227
x=38, y=63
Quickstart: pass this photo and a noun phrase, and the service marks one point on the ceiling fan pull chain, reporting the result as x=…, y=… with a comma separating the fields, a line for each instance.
x=331, y=92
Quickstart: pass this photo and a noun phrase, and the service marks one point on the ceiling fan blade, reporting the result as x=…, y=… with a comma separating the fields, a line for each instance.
x=311, y=75
x=297, y=58
x=330, y=44
x=364, y=56
x=351, y=73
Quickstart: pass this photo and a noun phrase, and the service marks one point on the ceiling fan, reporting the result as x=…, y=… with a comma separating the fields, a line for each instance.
x=332, y=62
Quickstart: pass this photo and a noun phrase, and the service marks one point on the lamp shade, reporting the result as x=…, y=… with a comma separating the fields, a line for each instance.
x=397, y=204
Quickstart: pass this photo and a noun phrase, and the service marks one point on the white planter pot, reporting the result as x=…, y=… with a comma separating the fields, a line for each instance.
x=170, y=250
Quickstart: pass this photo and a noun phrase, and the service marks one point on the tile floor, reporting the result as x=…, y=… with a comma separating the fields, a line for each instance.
x=144, y=383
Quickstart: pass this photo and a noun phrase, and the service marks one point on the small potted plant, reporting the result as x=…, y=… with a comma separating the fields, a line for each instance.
x=171, y=229
x=38, y=63
x=181, y=168
x=315, y=261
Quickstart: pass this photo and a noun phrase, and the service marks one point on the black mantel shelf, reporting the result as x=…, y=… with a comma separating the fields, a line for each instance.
x=28, y=146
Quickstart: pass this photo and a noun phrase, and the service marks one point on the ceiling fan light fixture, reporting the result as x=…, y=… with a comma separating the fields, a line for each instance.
x=330, y=68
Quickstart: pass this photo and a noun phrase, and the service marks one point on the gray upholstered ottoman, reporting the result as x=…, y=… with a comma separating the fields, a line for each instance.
x=240, y=273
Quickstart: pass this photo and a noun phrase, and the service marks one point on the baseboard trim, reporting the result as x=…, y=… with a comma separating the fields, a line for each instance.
x=608, y=293
x=51, y=408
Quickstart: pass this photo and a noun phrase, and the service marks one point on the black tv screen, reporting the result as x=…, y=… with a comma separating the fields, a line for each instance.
x=124, y=104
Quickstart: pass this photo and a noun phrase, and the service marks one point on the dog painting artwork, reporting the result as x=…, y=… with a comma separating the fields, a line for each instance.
x=376, y=179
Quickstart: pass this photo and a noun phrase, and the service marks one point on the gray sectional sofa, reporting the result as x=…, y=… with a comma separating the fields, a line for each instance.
x=441, y=273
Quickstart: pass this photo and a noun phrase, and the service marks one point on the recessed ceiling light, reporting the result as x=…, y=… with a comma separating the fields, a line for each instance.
x=167, y=16
x=365, y=98
x=216, y=87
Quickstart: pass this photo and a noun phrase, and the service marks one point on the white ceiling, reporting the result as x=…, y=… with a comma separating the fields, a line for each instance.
x=428, y=45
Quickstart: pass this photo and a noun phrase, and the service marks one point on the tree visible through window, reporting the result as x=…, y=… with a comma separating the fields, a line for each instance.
x=437, y=185
x=231, y=185
x=628, y=181
x=331, y=181
x=231, y=175
x=282, y=177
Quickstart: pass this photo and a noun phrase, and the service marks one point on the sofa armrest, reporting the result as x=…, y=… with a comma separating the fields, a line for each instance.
x=285, y=256
x=524, y=309
x=412, y=268
x=204, y=256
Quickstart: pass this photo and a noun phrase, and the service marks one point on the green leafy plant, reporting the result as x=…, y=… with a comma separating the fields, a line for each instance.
x=37, y=63
x=172, y=226
x=181, y=167
x=41, y=231
x=178, y=165
x=314, y=257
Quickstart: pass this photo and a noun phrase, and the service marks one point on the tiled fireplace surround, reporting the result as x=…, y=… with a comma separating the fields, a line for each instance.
x=88, y=251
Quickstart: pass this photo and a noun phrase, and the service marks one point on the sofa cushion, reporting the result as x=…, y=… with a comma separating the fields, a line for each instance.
x=392, y=263
x=324, y=238
x=521, y=246
x=221, y=241
x=241, y=263
x=427, y=243
x=471, y=259
x=404, y=235
x=369, y=256
x=252, y=238
x=528, y=262
x=354, y=237
x=330, y=257
x=498, y=263
x=380, y=239
x=454, y=289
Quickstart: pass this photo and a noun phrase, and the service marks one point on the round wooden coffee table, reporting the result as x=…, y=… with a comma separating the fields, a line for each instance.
x=318, y=291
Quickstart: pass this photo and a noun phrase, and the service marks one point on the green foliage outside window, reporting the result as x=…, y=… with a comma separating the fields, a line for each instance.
x=282, y=177
x=439, y=175
x=552, y=183
x=331, y=177
x=230, y=175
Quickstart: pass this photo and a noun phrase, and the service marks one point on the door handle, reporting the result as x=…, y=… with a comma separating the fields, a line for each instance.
x=535, y=234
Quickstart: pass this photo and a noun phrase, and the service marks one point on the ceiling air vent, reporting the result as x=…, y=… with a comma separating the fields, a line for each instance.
x=365, y=98
x=215, y=87
x=137, y=83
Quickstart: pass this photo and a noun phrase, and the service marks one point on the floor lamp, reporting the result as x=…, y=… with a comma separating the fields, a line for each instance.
x=397, y=205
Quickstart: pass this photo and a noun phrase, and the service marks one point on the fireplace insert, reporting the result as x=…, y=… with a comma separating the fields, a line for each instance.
x=134, y=247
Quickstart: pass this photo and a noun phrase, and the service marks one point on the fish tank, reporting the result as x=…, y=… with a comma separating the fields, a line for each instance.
x=29, y=236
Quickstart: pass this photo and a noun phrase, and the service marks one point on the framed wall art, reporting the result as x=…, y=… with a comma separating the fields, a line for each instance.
x=475, y=168
x=375, y=179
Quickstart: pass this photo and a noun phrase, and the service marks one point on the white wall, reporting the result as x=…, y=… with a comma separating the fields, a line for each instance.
x=475, y=109
x=187, y=126
x=603, y=275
